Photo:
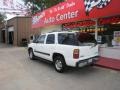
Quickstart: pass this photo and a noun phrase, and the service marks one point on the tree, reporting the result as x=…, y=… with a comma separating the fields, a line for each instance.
x=40, y=5
x=2, y=17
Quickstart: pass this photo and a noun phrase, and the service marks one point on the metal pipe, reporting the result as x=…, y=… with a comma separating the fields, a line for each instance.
x=96, y=29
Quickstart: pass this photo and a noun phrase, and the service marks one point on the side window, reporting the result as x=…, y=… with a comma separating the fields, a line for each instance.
x=41, y=39
x=50, y=39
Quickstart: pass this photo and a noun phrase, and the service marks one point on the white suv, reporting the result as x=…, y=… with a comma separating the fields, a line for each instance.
x=65, y=49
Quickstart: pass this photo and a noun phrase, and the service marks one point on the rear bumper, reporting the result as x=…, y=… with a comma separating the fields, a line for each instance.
x=88, y=61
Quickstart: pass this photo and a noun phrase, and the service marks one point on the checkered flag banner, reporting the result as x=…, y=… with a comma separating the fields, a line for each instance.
x=90, y=4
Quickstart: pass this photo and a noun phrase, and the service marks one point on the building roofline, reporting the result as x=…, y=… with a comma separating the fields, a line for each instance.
x=19, y=17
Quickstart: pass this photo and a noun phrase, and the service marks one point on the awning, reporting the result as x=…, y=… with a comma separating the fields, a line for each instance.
x=76, y=10
x=87, y=23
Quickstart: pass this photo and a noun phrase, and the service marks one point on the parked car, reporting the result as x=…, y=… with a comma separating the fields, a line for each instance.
x=65, y=49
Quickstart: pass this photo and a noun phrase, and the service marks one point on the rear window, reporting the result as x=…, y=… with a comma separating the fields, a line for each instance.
x=67, y=39
x=86, y=38
x=77, y=39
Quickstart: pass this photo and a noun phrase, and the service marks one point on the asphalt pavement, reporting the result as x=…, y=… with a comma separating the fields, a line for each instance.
x=18, y=72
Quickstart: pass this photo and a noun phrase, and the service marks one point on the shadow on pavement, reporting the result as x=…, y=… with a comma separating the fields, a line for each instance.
x=83, y=71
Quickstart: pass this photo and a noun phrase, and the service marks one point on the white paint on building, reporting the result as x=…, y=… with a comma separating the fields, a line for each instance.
x=51, y=28
x=110, y=52
x=10, y=29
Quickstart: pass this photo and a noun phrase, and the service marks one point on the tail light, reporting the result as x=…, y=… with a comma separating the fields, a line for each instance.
x=76, y=53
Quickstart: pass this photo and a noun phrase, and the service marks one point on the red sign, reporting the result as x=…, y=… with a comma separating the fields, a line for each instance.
x=76, y=10
x=79, y=24
x=101, y=21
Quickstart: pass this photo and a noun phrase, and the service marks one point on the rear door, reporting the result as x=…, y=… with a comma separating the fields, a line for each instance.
x=88, y=52
x=88, y=45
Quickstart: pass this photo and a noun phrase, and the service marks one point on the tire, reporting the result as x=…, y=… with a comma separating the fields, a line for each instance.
x=92, y=64
x=31, y=54
x=59, y=64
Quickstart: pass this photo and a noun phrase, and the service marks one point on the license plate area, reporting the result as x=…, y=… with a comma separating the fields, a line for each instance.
x=82, y=64
x=85, y=62
x=90, y=60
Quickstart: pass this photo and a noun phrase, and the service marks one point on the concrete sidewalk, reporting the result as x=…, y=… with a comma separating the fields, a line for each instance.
x=109, y=63
x=3, y=45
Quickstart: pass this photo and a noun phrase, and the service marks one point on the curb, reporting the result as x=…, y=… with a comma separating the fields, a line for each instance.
x=109, y=63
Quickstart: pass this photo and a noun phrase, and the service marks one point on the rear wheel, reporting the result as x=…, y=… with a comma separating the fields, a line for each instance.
x=59, y=64
x=31, y=54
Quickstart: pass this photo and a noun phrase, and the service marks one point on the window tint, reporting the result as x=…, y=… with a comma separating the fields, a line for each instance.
x=41, y=39
x=35, y=38
x=85, y=37
x=67, y=39
x=50, y=39
x=76, y=39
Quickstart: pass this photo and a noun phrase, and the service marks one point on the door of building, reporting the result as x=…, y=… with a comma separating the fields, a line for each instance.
x=11, y=37
x=3, y=36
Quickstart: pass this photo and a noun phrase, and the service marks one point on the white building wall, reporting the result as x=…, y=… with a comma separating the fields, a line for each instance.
x=110, y=52
x=51, y=28
x=10, y=29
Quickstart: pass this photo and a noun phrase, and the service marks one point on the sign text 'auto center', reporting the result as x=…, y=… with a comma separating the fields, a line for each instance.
x=57, y=14
x=76, y=10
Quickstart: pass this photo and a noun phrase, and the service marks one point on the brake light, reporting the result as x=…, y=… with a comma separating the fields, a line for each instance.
x=76, y=53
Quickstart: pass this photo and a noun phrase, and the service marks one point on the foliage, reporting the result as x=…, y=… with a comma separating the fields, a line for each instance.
x=2, y=17
x=40, y=5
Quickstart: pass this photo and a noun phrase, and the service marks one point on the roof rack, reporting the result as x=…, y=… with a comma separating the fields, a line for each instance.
x=54, y=31
x=62, y=31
